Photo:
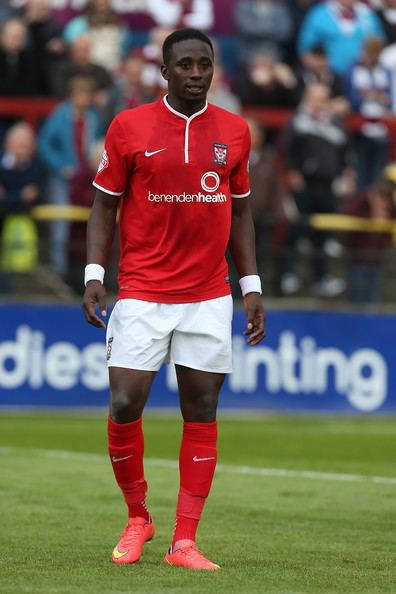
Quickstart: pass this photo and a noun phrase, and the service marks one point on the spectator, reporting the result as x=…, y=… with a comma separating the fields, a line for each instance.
x=45, y=38
x=6, y=11
x=387, y=16
x=81, y=194
x=18, y=65
x=388, y=55
x=369, y=90
x=21, y=187
x=174, y=14
x=315, y=68
x=79, y=63
x=21, y=172
x=152, y=54
x=128, y=90
x=341, y=26
x=266, y=82
x=367, y=252
x=268, y=196
x=317, y=153
x=220, y=93
x=65, y=141
x=109, y=39
x=262, y=25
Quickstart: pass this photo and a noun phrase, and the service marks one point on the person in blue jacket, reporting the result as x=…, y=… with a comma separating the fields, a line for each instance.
x=341, y=26
x=65, y=143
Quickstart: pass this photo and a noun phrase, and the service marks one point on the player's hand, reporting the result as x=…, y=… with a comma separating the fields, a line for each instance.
x=255, y=318
x=95, y=294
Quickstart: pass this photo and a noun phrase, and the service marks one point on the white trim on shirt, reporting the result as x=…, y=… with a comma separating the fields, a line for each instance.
x=240, y=195
x=188, y=122
x=107, y=191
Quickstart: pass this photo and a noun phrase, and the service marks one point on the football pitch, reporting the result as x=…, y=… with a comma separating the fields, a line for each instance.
x=299, y=505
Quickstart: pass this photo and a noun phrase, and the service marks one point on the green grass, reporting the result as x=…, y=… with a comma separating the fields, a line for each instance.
x=61, y=512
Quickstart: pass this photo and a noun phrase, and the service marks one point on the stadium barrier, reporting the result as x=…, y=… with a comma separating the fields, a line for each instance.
x=310, y=361
x=35, y=109
x=324, y=222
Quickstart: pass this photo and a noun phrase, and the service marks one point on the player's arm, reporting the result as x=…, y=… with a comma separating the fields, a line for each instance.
x=100, y=234
x=243, y=253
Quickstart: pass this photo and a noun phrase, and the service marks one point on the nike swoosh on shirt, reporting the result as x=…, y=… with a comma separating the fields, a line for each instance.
x=196, y=459
x=115, y=459
x=150, y=154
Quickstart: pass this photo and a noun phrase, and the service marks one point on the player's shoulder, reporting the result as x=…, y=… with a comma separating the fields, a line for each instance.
x=227, y=118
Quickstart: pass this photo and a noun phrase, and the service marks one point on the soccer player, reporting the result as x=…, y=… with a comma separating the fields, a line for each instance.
x=179, y=169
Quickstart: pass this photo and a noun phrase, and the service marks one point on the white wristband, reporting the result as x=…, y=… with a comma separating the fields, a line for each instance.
x=94, y=272
x=250, y=284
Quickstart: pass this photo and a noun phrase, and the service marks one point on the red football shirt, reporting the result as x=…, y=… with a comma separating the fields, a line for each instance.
x=176, y=175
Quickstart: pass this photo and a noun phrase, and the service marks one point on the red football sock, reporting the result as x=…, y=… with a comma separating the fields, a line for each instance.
x=126, y=447
x=197, y=463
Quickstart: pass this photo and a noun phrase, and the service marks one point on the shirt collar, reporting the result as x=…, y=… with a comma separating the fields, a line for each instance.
x=182, y=115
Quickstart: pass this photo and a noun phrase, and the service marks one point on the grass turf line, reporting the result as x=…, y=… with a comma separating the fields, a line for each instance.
x=61, y=518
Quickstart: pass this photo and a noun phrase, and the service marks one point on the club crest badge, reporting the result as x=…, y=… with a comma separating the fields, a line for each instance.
x=220, y=153
x=104, y=162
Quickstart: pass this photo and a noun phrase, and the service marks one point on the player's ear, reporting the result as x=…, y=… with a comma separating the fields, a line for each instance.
x=164, y=71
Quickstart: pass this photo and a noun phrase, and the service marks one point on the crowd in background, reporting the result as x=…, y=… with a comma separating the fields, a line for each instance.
x=320, y=59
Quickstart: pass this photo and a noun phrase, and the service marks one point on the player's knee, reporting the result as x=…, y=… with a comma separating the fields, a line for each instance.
x=123, y=408
x=203, y=410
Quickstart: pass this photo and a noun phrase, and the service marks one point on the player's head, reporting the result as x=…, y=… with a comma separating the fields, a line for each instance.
x=188, y=57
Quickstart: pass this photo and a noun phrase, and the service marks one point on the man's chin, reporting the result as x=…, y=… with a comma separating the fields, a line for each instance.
x=195, y=98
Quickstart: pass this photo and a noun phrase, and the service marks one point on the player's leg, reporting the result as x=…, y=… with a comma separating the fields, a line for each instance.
x=129, y=389
x=201, y=351
x=138, y=338
x=199, y=392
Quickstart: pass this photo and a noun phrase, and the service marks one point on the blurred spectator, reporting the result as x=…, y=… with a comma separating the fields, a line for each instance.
x=79, y=63
x=299, y=9
x=82, y=194
x=315, y=68
x=317, y=153
x=387, y=16
x=369, y=90
x=220, y=93
x=6, y=10
x=45, y=37
x=267, y=199
x=176, y=14
x=128, y=90
x=268, y=195
x=262, y=25
x=109, y=39
x=367, y=252
x=21, y=172
x=152, y=54
x=65, y=142
x=18, y=65
x=341, y=26
x=21, y=186
x=388, y=54
x=266, y=82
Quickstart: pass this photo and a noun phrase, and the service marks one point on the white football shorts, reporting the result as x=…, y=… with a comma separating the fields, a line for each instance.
x=144, y=335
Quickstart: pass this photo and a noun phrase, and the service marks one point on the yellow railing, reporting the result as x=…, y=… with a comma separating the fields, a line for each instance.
x=325, y=222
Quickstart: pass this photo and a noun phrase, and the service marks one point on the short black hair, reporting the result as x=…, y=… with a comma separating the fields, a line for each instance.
x=183, y=35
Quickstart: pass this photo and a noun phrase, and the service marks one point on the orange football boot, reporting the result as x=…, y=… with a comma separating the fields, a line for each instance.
x=136, y=533
x=189, y=556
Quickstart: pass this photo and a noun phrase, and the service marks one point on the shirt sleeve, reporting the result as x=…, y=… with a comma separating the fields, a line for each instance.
x=112, y=174
x=239, y=178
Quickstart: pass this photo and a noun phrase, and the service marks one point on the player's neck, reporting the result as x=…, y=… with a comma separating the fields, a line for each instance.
x=187, y=108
